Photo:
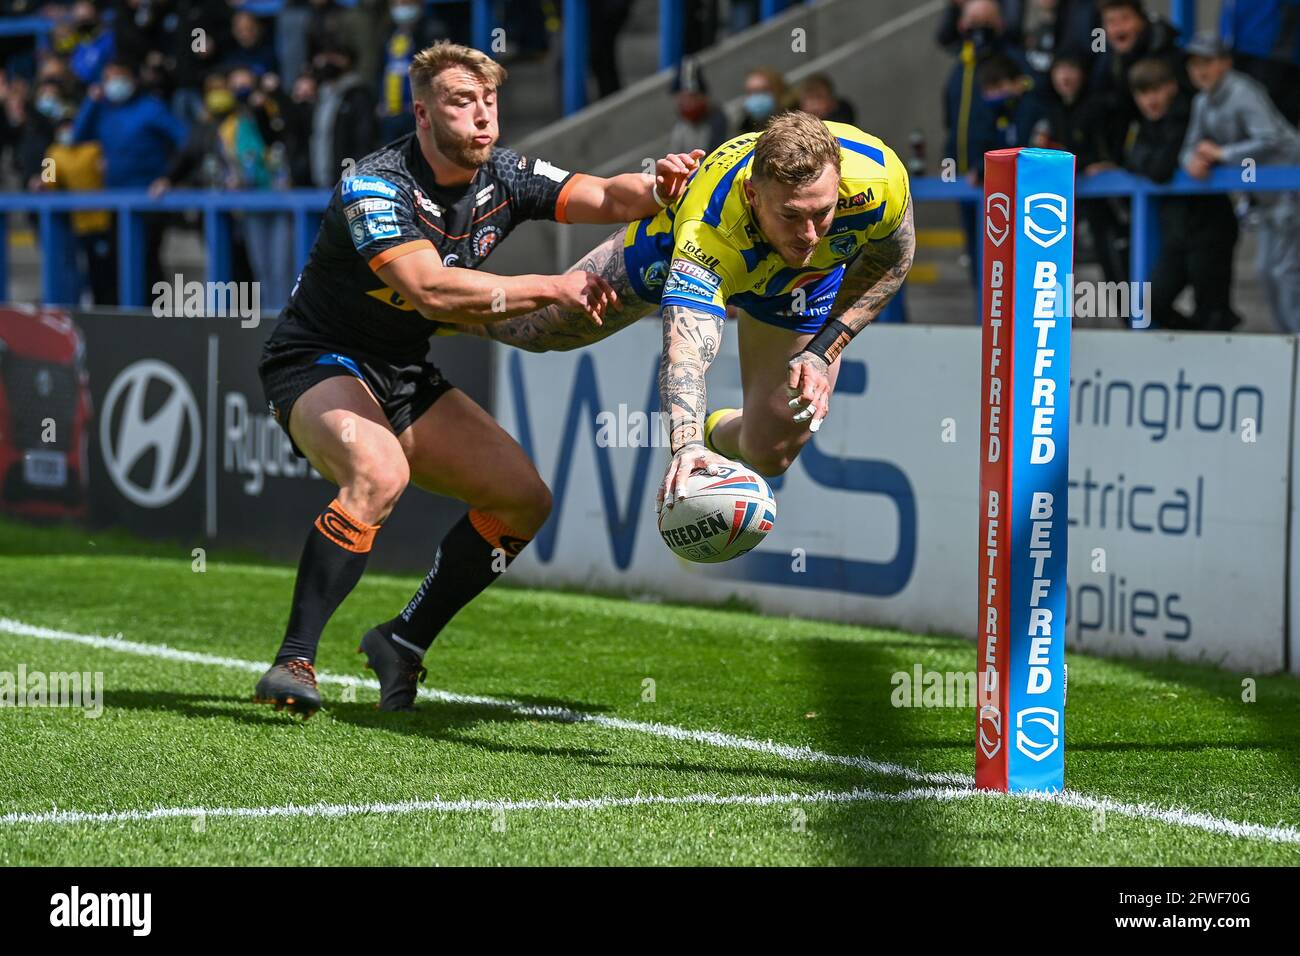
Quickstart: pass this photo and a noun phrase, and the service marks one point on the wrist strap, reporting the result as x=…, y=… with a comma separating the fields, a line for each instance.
x=654, y=191
x=830, y=341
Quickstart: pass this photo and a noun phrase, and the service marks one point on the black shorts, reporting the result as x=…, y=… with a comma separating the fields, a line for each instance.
x=405, y=391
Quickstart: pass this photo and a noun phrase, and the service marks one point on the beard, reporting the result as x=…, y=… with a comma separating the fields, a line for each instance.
x=460, y=150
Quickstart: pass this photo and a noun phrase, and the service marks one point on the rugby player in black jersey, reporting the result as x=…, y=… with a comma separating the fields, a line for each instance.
x=346, y=374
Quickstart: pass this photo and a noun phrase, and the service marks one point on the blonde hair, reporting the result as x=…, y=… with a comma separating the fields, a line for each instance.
x=794, y=149
x=429, y=62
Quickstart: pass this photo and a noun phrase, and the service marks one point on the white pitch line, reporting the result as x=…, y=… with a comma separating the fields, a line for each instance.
x=857, y=795
x=947, y=786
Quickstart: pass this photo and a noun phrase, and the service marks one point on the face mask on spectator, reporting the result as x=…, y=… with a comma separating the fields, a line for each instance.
x=694, y=112
x=49, y=106
x=760, y=105
x=242, y=93
x=118, y=89
x=64, y=136
x=406, y=13
x=328, y=71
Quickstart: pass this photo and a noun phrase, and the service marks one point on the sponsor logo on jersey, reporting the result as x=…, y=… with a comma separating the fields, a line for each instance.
x=523, y=163
x=699, y=255
x=484, y=194
x=363, y=207
x=391, y=297
x=373, y=227
x=686, y=267
x=854, y=201
x=542, y=168
x=355, y=187
x=688, y=288
x=427, y=204
x=484, y=240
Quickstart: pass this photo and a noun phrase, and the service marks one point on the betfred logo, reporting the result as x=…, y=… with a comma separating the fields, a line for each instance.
x=1045, y=218
x=990, y=730
x=997, y=218
x=1038, y=732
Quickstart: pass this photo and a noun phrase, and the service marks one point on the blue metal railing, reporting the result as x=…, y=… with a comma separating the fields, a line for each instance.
x=52, y=210
x=1142, y=193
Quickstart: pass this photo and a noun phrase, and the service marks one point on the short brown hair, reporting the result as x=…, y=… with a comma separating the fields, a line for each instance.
x=1150, y=74
x=1105, y=6
x=429, y=62
x=794, y=149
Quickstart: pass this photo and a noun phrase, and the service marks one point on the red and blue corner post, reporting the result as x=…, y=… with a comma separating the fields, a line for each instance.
x=1024, y=470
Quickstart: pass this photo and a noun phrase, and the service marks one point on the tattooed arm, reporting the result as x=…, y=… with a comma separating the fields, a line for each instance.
x=876, y=277
x=864, y=292
x=691, y=341
x=561, y=328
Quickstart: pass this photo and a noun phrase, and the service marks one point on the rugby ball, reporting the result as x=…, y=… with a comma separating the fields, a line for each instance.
x=720, y=516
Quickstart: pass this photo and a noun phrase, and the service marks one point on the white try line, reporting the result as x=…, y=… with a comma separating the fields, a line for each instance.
x=944, y=786
x=857, y=795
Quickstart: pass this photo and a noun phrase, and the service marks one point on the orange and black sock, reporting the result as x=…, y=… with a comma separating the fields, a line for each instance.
x=475, y=552
x=332, y=562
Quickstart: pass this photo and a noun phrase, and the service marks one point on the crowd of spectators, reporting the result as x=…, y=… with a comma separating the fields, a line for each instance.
x=1112, y=82
x=154, y=94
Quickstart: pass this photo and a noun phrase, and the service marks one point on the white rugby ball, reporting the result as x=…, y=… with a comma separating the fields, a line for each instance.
x=720, y=516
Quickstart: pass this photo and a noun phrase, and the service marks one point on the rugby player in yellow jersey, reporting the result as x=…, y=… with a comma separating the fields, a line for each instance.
x=806, y=230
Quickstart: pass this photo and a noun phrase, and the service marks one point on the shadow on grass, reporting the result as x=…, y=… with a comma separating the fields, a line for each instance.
x=851, y=684
x=454, y=723
x=1274, y=715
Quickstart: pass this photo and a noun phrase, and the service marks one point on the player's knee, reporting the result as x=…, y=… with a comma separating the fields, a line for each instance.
x=534, y=503
x=375, y=488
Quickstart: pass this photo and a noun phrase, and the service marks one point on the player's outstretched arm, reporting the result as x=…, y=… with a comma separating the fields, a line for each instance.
x=631, y=196
x=472, y=297
x=875, y=278
x=691, y=341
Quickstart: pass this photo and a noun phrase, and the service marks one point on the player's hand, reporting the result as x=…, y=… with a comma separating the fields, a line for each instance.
x=587, y=292
x=809, y=388
x=689, y=459
x=674, y=171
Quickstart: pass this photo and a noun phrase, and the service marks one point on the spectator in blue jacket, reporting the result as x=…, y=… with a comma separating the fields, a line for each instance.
x=138, y=135
x=136, y=129
x=1264, y=36
x=94, y=43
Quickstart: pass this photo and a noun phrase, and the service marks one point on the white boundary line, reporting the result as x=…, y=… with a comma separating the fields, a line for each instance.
x=944, y=786
x=857, y=795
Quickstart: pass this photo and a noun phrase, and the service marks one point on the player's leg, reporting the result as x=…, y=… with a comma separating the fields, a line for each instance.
x=556, y=329
x=763, y=433
x=341, y=430
x=457, y=449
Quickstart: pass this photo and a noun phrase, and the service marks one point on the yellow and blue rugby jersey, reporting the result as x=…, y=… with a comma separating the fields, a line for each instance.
x=704, y=250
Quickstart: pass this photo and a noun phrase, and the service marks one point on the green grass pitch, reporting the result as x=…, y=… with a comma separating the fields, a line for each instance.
x=546, y=750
